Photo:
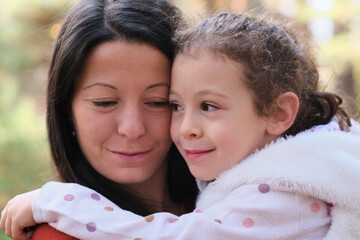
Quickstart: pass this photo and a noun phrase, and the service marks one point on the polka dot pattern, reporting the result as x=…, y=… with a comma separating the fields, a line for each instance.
x=149, y=218
x=69, y=197
x=91, y=227
x=264, y=188
x=248, y=220
x=218, y=221
x=95, y=196
x=109, y=209
x=314, y=207
x=248, y=223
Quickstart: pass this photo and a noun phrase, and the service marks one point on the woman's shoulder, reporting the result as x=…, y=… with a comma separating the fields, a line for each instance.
x=45, y=232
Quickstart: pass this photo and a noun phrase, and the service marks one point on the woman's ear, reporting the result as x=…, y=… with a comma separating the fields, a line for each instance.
x=282, y=114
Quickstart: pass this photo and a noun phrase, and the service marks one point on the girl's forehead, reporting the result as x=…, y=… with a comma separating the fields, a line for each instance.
x=206, y=71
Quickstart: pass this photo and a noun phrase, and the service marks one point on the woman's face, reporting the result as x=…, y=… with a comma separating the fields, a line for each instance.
x=120, y=111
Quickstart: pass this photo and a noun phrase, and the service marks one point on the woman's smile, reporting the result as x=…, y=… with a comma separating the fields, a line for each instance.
x=131, y=156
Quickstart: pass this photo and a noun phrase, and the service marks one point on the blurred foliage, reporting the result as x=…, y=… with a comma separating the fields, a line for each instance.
x=24, y=163
x=28, y=28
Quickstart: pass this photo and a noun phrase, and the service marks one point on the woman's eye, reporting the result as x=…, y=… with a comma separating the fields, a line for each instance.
x=208, y=107
x=175, y=107
x=158, y=104
x=104, y=104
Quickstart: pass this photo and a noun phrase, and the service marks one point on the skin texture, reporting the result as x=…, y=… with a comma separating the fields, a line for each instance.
x=123, y=89
x=214, y=122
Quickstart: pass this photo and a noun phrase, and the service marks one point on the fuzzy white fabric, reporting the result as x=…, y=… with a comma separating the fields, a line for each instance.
x=324, y=165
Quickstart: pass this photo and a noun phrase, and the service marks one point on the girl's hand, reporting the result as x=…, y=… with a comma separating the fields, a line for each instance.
x=17, y=216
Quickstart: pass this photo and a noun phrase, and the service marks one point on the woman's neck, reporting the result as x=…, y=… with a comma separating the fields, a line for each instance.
x=155, y=192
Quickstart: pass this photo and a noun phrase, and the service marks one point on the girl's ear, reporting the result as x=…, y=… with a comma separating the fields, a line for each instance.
x=283, y=114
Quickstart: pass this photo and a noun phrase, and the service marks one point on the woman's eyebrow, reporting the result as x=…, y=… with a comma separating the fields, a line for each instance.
x=99, y=84
x=158, y=85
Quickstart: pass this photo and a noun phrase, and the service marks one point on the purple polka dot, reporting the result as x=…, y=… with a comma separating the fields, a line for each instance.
x=95, y=196
x=264, y=188
x=69, y=197
x=91, y=227
x=197, y=211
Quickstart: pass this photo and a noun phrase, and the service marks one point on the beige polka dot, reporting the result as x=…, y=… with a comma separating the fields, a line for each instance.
x=217, y=220
x=248, y=223
x=109, y=209
x=149, y=218
x=174, y=220
x=314, y=207
x=137, y=238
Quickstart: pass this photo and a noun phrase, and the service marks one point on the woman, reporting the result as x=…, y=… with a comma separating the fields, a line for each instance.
x=107, y=111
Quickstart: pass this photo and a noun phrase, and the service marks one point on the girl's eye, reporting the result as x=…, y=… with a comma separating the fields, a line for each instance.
x=158, y=104
x=104, y=104
x=175, y=107
x=208, y=107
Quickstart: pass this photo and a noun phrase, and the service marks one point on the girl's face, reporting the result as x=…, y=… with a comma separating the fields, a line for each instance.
x=214, y=122
x=120, y=111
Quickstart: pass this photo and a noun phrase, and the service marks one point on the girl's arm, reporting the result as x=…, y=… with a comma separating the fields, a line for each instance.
x=17, y=216
x=249, y=212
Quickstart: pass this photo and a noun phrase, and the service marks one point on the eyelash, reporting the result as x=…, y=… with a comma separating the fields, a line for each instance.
x=158, y=104
x=176, y=107
x=104, y=104
x=155, y=104
x=206, y=104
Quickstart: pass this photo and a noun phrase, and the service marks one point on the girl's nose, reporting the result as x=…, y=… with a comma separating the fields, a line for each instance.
x=190, y=129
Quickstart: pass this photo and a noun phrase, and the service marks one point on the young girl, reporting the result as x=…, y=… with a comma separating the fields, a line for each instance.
x=256, y=133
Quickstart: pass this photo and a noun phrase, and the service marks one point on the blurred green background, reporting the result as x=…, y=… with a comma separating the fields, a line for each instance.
x=28, y=29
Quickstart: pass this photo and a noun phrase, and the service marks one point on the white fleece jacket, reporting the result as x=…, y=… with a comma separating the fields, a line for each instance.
x=324, y=165
x=278, y=193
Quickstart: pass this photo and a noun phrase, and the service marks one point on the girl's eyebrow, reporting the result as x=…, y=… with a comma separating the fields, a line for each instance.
x=172, y=91
x=212, y=92
x=99, y=84
x=205, y=92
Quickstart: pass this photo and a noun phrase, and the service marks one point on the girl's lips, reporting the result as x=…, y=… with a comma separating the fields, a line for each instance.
x=130, y=156
x=194, y=154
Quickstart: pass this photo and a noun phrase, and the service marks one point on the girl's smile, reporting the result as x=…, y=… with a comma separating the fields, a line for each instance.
x=195, y=154
x=214, y=122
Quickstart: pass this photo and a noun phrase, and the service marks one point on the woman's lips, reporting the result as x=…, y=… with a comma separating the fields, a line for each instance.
x=194, y=154
x=131, y=156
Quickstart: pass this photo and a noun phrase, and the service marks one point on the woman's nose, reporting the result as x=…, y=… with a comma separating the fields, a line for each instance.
x=131, y=123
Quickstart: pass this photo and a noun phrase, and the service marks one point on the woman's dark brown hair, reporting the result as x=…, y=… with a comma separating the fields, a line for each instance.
x=272, y=60
x=88, y=24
